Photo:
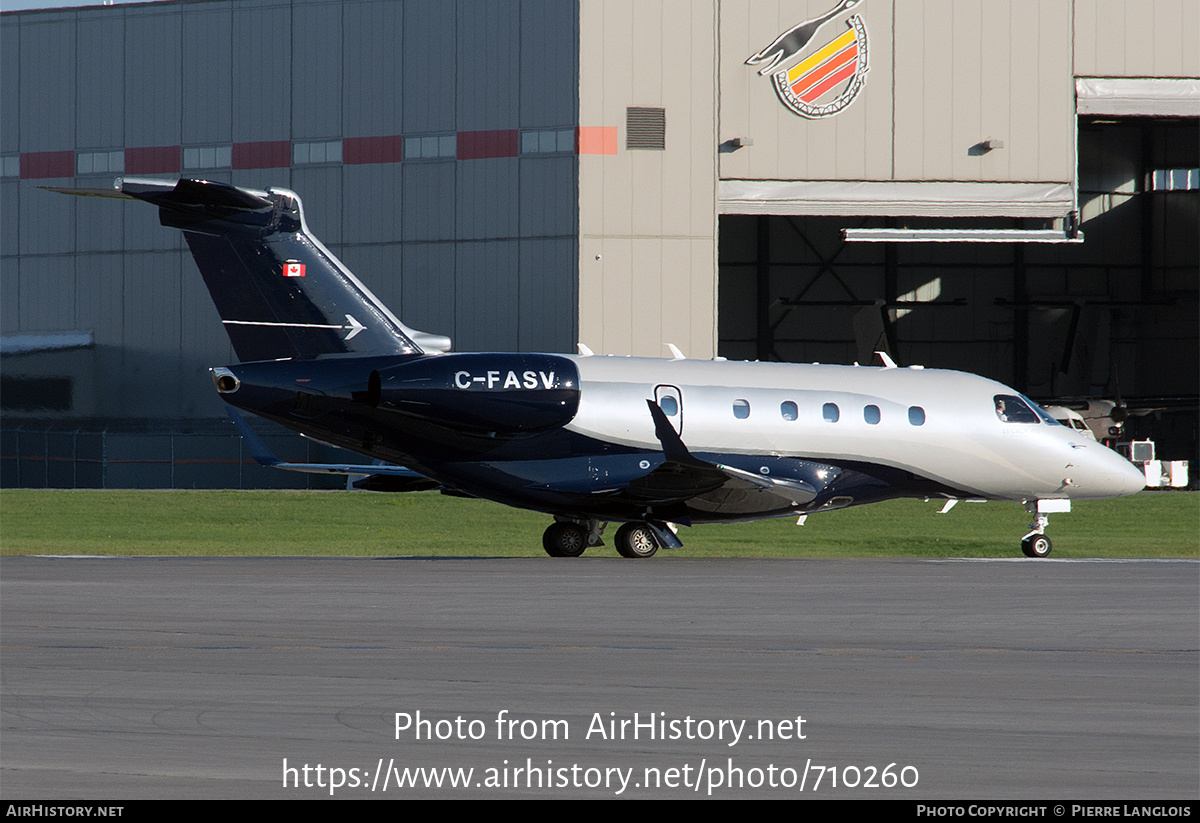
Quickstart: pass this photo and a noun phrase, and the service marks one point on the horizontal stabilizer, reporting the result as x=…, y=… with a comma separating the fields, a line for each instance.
x=383, y=476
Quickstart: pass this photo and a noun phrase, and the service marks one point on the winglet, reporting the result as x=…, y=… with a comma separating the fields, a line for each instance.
x=672, y=444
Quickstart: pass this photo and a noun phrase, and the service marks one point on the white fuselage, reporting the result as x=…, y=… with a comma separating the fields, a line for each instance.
x=940, y=425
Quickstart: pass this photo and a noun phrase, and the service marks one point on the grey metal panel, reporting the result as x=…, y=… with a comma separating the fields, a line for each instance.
x=99, y=222
x=320, y=189
x=548, y=196
x=204, y=341
x=429, y=201
x=10, y=210
x=429, y=274
x=143, y=232
x=371, y=68
x=10, y=292
x=372, y=210
x=485, y=302
x=100, y=67
x=151, y=309
x=257, y=178
x=316, y=82
x=44, y=302
x=47, y=105
x=549, y=56
x=207, y=80
x=489, y=66
x=548, y=299
x=378, y=266
x=487, y=191
x=261, y=80
x=153, y=76
x=10, y=79
x=45, y=217
x=98, y=297
x=431, y=63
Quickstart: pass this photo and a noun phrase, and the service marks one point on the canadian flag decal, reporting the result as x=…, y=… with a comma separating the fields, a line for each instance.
x=293, y=268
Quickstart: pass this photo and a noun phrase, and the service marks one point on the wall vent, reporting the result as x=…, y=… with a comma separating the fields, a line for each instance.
x=645, y=128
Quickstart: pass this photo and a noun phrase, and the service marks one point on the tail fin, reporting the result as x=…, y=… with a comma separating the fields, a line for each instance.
x=279, y=291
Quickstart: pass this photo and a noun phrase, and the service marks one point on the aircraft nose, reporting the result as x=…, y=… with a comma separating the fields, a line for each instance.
x=1132, y=477
x=1116, y=476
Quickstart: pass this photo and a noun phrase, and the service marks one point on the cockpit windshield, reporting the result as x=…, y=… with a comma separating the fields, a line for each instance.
x=1017, y=408
x=1047, y=418
x=1020, y=409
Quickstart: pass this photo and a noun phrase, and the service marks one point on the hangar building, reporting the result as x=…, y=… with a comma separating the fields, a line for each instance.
x=1007, y=187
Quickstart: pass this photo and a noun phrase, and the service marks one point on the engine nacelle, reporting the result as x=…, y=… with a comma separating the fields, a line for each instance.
x=507, y=393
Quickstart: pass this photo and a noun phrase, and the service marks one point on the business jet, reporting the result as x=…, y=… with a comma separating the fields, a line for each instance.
x=648, y=443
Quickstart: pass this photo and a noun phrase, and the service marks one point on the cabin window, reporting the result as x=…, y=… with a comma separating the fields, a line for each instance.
x=669, y=405
x=830, y=412
x=788, y=410
x=916, y=415
x=741, y=409
x=1012, y=409
x=871, y=414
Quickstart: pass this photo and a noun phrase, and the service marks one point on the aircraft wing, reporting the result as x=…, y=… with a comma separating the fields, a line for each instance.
x=685, y=478
x=379, y=476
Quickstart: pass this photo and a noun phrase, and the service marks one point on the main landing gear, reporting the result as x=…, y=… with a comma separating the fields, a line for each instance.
x=636, y=540
x=563, y=539
x=566, y=538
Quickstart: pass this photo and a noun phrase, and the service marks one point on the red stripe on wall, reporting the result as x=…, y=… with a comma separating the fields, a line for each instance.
x=473, y=145
x=359, y=150
x=837, y=77
x=818, y=74
x=596, y=140
x=36, y=165
x=264, y=154
x=152, y=160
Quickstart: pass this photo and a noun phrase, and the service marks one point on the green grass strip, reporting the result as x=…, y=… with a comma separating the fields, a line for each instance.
x=263, y=523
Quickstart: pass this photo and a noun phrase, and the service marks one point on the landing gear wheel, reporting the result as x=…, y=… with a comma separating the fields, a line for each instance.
x=564, y=540
x=1037, y=545
x=636, y=540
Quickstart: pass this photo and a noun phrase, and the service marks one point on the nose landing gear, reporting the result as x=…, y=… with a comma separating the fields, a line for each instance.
x=1036, y=543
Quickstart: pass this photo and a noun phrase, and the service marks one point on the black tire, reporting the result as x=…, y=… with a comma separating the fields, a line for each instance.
x=564, y=540
x=1036, y=546
x=636, y=540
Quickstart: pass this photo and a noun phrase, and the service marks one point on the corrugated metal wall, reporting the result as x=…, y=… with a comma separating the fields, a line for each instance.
x=647, y=260
x=476, y=243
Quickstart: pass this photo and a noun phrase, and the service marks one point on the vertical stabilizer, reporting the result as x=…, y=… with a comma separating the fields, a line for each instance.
x=279, y=291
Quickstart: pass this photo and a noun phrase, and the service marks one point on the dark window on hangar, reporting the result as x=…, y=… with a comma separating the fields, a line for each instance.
x=645, y=128
x=35, y=393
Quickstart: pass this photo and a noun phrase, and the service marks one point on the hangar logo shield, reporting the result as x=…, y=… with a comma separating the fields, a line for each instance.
x=829, y=77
